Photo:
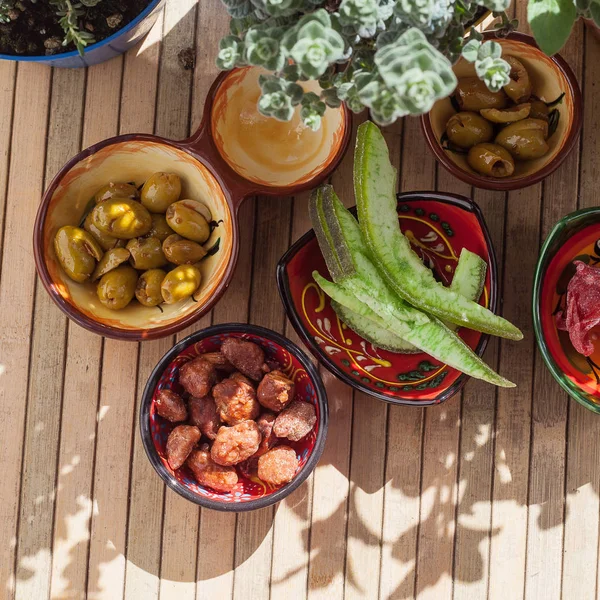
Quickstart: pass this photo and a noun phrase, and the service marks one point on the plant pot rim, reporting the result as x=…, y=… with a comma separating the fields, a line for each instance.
x=74, y=53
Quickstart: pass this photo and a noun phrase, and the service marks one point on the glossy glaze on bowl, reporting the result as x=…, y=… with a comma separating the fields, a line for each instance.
x=550, y=77
x=264, y=150
x=574, y=238
x=132, y=161
x=249, y=494
x=439, y=226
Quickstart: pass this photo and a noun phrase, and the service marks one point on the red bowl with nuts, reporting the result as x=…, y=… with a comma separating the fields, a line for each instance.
x=234, y=417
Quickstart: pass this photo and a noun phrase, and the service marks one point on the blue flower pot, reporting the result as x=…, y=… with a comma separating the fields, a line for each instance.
x=108, y=48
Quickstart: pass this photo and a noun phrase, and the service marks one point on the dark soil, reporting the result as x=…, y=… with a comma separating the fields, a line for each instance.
x=34, y=30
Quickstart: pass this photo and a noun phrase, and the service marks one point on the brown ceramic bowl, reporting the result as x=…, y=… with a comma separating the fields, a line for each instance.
x=236, y=153
x=551, y=76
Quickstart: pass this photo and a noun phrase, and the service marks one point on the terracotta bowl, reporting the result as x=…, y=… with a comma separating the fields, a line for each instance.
x=249, y=494
x=236, y=153
x=550, y=76
x=575, y=237
x=439, y=226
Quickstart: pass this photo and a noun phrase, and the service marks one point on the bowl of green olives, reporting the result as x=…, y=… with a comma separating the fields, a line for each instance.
x=137, y=236
x=515, y=137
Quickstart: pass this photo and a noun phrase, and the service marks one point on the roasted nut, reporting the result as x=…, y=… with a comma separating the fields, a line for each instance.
x=465, y=129
x=116, y=289
x=122, y=218
x=219, y=362
x=160, y=191
x=296, y=421
x=236, y=401
x=491, y=160
x=275, y=391
x=180, y=251
x=247, y=357
x=208, y=473
x=147, y=290
x=116, y=190
x=525, y=139
x=472, y=94
x=278, y=466
x=506, y=115
x=170, y=406
x=146, y=253
x=203, y=414
x=265, y=425
x=519, y=88
x=185, y=217
x=111, y=260
x=180, y=283
x=77, y=252
x=160, y=228
x=235, y=444
x=197, y=377
x=180, y=443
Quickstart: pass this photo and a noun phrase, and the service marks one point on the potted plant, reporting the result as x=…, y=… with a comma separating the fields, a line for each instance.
x=393, y=57
x=72, y=33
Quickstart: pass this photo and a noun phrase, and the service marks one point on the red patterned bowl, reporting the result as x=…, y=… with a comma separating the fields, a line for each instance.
x=249, y=494
x=439, y=226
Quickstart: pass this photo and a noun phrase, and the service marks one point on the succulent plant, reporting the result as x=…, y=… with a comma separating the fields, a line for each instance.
x=392, y=56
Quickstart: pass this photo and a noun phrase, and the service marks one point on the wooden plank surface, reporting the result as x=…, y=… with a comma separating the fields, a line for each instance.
x=494, y=495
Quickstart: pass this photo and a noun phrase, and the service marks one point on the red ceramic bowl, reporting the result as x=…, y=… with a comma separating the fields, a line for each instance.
x=439, y=226
x=249, y=494
x=236, y=153
x=550, y=76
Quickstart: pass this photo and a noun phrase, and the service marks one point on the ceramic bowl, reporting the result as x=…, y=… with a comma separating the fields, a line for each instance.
x=235, y=153
x=550, y=76
x=249, y=494
x=439, y=226
x=575, y=237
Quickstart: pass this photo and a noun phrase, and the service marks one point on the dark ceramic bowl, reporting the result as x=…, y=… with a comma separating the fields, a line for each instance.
x=575, y=237
x=108, y=48
x=236, y=153
x=439, y=226
x=249, y=494
x=550, y=76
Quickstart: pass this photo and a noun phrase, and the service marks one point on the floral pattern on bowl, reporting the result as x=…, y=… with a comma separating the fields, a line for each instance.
x=250, y=493
x=575, y=237
x=438, y=226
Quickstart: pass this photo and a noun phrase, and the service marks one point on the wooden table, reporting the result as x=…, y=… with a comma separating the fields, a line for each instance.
x=494, y=494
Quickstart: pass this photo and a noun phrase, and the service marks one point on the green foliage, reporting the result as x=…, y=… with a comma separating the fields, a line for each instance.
x=279, y=97
x=488, y=64
x=6, y=6
x=69, y=14
x=551, y=22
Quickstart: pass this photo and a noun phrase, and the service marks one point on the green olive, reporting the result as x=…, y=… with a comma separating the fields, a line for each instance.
x=107, y=242
x=180, y=283
x=111, y=260
x=160, y=228
x=185, y=218
x=180, y=251
x=525, y=139
x=472, y=94
x=465, y=129
x=491, y=160
x=146, y=253
x=160, y=191
x=539, y=110
x=507, y=115
x=519, y=88
x=147, y=290
x=122, y=218
x=116, y=190
x=117, y=287
x=77, y=251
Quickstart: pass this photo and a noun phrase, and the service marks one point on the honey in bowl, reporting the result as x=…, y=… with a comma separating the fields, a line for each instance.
x=264, y=150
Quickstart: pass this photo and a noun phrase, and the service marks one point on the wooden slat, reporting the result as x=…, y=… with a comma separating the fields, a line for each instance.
x=583, y=450
x=34, y=561
x=25, y=182
x=8, y=74
x=119, y=375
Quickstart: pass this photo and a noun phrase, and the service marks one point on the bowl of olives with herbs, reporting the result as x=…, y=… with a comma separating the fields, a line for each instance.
x=515, y=137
